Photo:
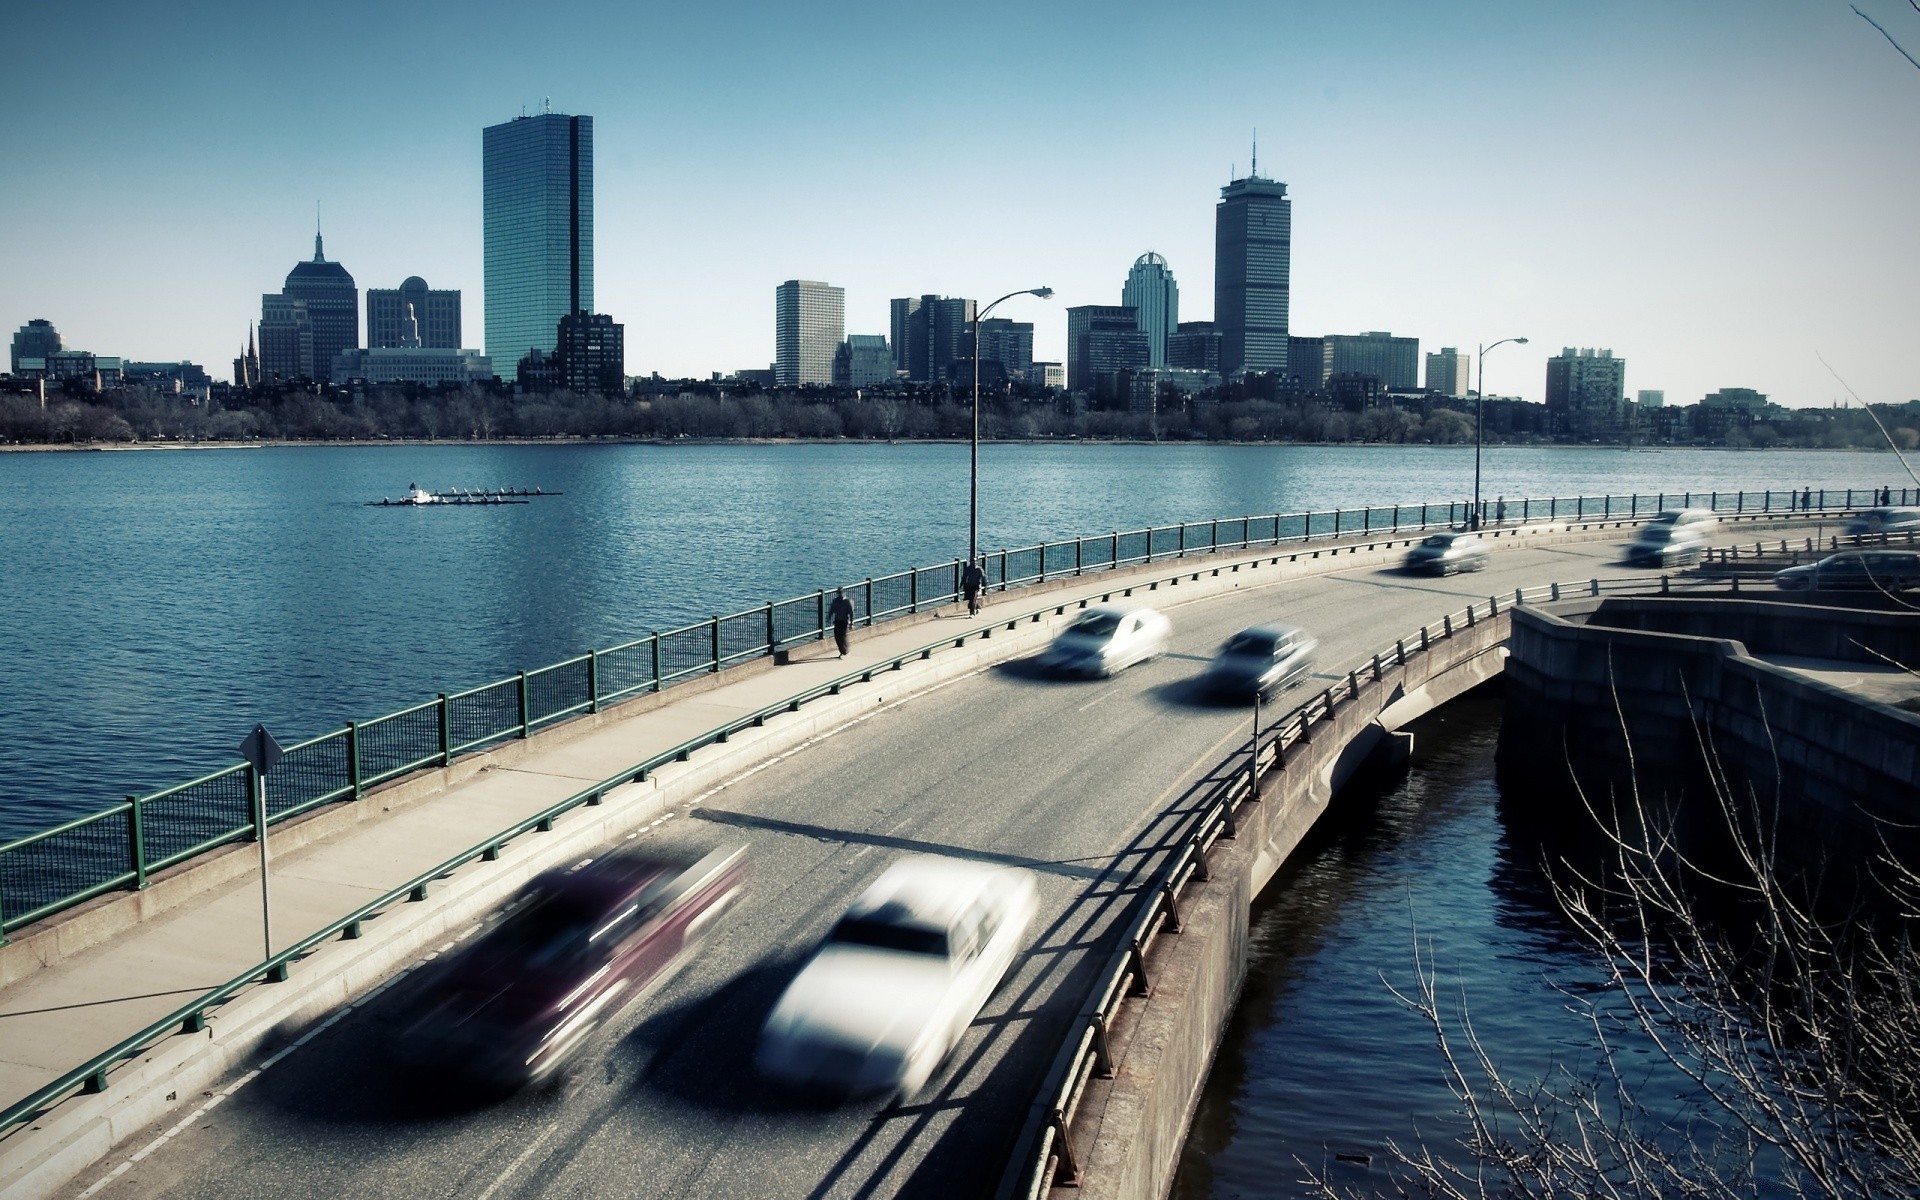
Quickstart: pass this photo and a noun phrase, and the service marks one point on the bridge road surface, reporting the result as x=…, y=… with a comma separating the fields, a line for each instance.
x=1074, y=780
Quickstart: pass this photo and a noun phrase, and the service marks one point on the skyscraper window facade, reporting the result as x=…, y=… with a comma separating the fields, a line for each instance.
x=863, y=360
x=394, y=313
x=537, y=201
x=1394, y=361
x=930, y=333
x=1252, y=249
x=1447, y=372
x=1103, y=339
x=1150, y=291
x=1009, y=343
x=36, y=339
x=1587, y=392
x=1194, y=346
x=315, y=316
x=809, y=323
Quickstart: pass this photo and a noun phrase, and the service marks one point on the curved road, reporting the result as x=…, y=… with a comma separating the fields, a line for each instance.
x=1074, y=780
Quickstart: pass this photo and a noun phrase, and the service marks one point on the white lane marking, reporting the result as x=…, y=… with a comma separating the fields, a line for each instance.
x=1102, y=698
x=500, y=1180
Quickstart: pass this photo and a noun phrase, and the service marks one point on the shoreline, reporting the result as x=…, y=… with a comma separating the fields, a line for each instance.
x=292, y=443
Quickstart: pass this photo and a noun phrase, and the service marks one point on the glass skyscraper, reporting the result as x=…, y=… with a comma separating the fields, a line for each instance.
x=809, y=319
x=538, y=228
x=1252, y=247
x=1151, y=291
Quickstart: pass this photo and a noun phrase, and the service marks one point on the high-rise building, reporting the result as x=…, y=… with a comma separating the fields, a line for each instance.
x=1101, y=340
x=537, y=200
x=1394, y=361
x=1586, y=392
x=809, y=322
x=315, y=315
x=1151, y=291
x=1447, y=371
x=413, y=314
x=36, y=339
x=1194, y=346
x=1252, y=245
x=863, y=360
x=592, y=350
x=1009, y=343
x=929, y=333
x=1307, y=361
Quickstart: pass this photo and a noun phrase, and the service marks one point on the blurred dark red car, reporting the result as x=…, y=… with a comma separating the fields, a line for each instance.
x=572, y=950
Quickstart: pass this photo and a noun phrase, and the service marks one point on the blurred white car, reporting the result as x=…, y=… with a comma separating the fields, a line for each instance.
x=1261, y=661
x=1105, y=641
x=1697, y=520
x=1447, y=552
x=1884, y=520
x=1660, y=545
x=906, y=970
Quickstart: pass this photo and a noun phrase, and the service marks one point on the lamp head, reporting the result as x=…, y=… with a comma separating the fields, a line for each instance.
x=1520, y=341
x=1042, y=292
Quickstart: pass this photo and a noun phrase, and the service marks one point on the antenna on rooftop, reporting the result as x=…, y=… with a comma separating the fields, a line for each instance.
x=1254, y=171
x=546, y=105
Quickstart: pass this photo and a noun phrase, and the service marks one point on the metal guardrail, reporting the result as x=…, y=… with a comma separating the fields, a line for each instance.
x=120, y=846
x=92, y=1077
x=1087, y=1052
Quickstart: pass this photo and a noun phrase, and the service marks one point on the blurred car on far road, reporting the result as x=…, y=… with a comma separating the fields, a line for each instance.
x=902, y=975
x=567, y=954
x=1445, y=553
x=1106, y=641
x=1661, y=545
x=1884, y=520
x=1699, y=520
x=1853, y=571
x=1261, y=661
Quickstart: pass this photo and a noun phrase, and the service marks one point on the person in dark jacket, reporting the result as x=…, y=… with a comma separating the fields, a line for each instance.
x=840, y=612
x=972, y=580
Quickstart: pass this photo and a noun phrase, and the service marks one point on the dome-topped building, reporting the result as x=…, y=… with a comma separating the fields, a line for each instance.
x=1155, y=298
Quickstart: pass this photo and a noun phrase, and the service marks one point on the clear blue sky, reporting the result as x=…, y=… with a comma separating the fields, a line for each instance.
x=1717, y=190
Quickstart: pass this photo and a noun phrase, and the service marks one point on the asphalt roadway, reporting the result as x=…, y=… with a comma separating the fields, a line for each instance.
x=1078, y=781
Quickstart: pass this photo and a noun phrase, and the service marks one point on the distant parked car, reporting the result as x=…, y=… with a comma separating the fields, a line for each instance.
x=886, y=997
x=564, y=957
x=1884, y=520
x=1445, y=553
x=1854, y=570
x=1107, y=640
x=1261, y=661
x=1667, y=545
x=1699, y=520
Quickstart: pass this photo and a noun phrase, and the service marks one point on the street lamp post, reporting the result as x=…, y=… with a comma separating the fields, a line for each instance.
x=973, y=467
x=1479, y=420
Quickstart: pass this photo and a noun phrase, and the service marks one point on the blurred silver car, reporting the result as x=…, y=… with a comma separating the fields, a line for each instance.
x=1107, y=640
x=1884, y=520
x=1661, y=545
x=1445, y=553
x=1261, y=661
x=1857, y=570
x=1699, y=520
x=884, y=1000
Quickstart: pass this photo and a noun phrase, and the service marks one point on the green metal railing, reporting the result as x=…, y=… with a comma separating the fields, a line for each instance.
x=120, y=847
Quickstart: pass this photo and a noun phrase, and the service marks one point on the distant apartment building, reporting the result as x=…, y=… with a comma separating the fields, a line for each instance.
x=863, y=360
x=1151, y=292
x=1194, y=346
x=809, y=324
x=590, y=357
x=413, y=314
x=537, y=230
x=1103, y=339
x=929, y=334
x=1009, y=344
x=36, y=339
x=1252, y=249
x=1449, y=371
x=1651, y=398
x=1049, y=375
x=1586, y=392
x=82, y=367
x=1394, y=361
x=427, y=366
x=1727, y=410
x=1307, y=361
x=315, y=316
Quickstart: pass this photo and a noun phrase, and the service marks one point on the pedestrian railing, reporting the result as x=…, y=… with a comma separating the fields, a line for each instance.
x=121, y=846
x=1046, y=1154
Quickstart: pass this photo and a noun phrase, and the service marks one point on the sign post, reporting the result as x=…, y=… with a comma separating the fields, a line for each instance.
x=262, y=752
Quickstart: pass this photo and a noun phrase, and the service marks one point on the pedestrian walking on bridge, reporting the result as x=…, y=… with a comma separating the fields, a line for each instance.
x=840, y=612
x=972, y=580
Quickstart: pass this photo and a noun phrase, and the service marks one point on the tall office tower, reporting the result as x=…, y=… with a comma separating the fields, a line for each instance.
x=930, y=332
x=809, y=322
x=1447, y=372
x=1586, y=391
x=1394, y=361
x=1194, y=346
x=1151, y=291
x=1103, y=339
x=286, y=340
x=863, y=360
x=315, y=316
x=1252, y=242
x=395, y=315
x=36, y=339
x=1009, y=343
x=537, y=197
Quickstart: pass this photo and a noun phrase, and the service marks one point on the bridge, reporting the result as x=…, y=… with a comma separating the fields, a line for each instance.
x=933, y=736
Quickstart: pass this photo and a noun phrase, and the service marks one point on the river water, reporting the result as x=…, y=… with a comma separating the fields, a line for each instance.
x=159, y=603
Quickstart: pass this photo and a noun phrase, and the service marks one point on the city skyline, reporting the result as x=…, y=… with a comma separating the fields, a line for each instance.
x=1716, y=193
